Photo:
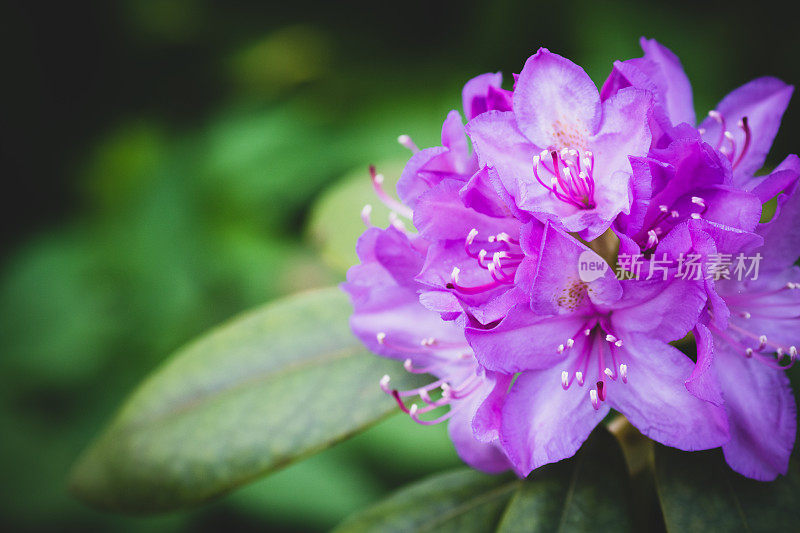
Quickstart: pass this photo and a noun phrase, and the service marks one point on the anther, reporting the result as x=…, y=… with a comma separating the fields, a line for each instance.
x=663, y=208
x=762, y=342
x=365, y=212
x=570, y=343
x=454, y=274
x=695, y=216
x=471, y=235
x=748, y=353
x=608, y=372
x=699, y=201
x=745, y=314
x=623, y=372
x=675, y=214
x=408, y=365
x=579, y=377
x=593, y=399
x=587, y=331
x=564, y=379
x=652, y=239
x=381, y=337
x=406, y=142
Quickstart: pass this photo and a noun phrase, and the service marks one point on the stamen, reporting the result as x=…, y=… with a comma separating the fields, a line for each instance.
x=652, y=240
x=406, y=142
x=365, y=212
x=608, y=372
x=471, y=235
x=564, y=379
x=391, y=203
x=579, y=377
x=623, y=372
x=593, y=399
x=743, y=124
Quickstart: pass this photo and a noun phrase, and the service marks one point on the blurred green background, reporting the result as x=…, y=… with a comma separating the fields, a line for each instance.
x=167, y=164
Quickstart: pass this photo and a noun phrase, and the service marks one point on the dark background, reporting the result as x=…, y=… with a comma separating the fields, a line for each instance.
x=162, y=162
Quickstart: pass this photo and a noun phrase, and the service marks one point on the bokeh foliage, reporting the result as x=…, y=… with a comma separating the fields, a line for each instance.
x=173, y=163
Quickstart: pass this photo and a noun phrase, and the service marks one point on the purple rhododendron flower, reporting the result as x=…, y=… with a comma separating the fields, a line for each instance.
x=741, y=127
x=601, y=344
x=748, y=336
x=507, y=295
x=562, y=153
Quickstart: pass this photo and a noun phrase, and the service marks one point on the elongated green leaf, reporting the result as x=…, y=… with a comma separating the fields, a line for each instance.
x=462, y=500
x=268, y=388
x=589, y=492
x=699, y=492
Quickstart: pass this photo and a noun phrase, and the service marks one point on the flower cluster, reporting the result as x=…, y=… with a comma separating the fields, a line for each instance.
x=529, y=351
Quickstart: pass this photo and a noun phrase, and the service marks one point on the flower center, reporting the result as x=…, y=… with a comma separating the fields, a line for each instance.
x=506, y=255
x=594, y=341
x=568, y=175
x=668, y=217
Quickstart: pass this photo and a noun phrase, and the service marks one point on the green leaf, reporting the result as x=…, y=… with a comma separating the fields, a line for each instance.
x=460, y=500
x=700, y=492
x=589, y=492
x=270, y=387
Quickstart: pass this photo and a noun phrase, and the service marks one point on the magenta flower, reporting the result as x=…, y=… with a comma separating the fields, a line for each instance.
x=749, y=335
x=530, y=336
x=741, y=127
x=687, y=180
x=562, y=154
x=602, y=344
x=389, y=319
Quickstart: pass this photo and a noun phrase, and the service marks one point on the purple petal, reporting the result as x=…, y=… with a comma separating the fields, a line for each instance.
x=655, y=399
x=543, y=423
x=762, y=413
x=479, y=194
x=440, y=214
x=454, y=138
x=500, y=145
x=483, y=93
x=783, y=179
x=523, y=340
x=556, y=103
x=488, y=416
x=416, y=179
x=703, y=382
x=763, y=102
x=781, y=238
x=481, y=453
x=665, y=310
